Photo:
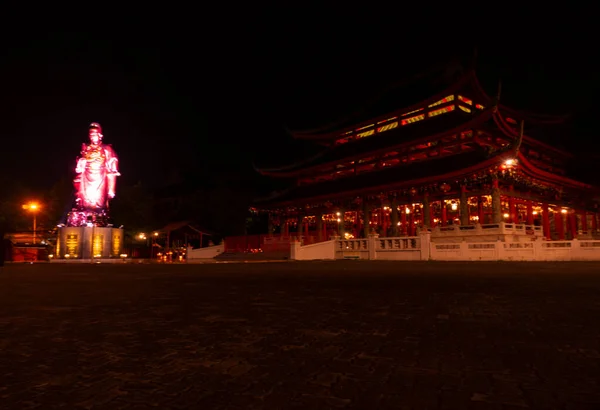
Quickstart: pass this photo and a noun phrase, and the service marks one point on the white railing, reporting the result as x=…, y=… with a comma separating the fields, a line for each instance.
x=421, y=247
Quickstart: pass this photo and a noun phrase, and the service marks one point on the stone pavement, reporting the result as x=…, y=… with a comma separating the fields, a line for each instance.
x=314, y=335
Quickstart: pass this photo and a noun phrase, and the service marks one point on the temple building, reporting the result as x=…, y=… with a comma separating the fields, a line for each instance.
x=455, y=156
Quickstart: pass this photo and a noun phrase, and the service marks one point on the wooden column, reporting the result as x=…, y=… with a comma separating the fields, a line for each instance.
x=560, y=226
x=394, y=217
x=512, y=207
x=342, y=224
x=572, y=219
x=403, y=224
x=594, y=222
x=270, y=226
x=299, y=221
x=444, y=212
x=529, y=213
x=480, y=213
x=426, y=211
x=546, y=221
x=366, y=218
x=411, y=221
x=319, y=227
x=584, y=224
x=306, y=231
x=286, y=227
x=464, y=206
x=358, y=224
x=496, y=203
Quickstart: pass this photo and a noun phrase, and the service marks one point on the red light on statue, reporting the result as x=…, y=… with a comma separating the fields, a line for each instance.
x=95, y=182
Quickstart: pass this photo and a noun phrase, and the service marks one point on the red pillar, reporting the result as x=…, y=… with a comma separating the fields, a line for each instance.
x=444, y=213
x=584, y=225
x=403, y=220
x=512, y=208
x=386, y=223
x=529, y=213
x=573, y=224
x=411, y=221
x=306, y=231
x=594, y=222
x=480, y=214
x=546, y=221
x=359, y=227
x=560, y=227
x=431, y=216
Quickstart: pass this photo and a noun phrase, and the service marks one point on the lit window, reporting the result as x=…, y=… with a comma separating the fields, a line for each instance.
x=413, y=119
x=465, y=100
x=443, y=100
x=441, y=110
x=388, y=127
x=365, y=134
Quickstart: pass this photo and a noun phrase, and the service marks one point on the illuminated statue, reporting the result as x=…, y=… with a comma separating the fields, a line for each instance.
x=97, y=171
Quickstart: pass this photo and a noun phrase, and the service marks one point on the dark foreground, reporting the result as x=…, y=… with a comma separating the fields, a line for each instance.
x=347, y=334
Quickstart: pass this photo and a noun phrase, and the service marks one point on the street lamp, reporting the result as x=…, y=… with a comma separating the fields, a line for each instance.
x=33, y=207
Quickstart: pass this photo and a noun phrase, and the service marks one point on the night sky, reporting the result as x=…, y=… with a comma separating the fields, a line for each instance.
x=210, y=96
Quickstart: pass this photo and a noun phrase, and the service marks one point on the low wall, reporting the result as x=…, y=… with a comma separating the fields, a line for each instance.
x=423, y=248
x=315, y=251
x=209, y=252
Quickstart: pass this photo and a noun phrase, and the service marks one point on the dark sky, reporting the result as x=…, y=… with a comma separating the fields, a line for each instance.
x=210, y=93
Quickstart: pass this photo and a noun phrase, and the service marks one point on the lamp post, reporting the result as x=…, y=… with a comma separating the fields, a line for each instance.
x=33, y=207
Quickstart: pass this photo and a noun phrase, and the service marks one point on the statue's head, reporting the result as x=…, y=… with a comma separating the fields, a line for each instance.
x=95, y=133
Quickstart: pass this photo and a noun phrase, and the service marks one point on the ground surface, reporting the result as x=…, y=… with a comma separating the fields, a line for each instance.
x=345, y=334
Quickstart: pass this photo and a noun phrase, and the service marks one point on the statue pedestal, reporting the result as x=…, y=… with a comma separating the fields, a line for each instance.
x=83, y=242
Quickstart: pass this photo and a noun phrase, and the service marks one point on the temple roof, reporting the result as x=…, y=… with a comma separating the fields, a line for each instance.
x=415, y=174
x=449, y=123
x=386, y=179
x=417, y=87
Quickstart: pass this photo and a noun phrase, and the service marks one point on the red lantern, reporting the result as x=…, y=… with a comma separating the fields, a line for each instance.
x=445, y=187
x=413, y=191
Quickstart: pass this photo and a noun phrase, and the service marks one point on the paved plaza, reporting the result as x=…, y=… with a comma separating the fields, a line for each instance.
x=295, y=335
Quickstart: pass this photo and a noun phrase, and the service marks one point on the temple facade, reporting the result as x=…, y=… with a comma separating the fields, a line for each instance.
x=454, y=158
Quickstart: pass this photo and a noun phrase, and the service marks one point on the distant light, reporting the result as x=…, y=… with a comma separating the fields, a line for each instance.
x=564, y=211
